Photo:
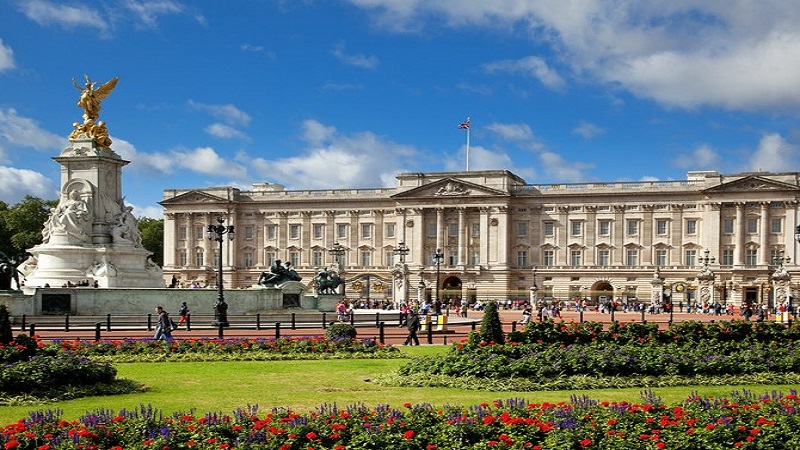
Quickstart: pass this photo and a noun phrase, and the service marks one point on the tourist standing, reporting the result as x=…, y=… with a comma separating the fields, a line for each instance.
x=183, y=311
x=413, y=326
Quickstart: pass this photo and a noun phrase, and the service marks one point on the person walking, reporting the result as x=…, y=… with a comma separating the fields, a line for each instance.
x=163, y=325
x=413, y=326
x=183, y=311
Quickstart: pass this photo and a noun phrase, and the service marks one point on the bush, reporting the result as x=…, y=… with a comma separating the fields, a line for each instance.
x=491, y=328
x=339, y=331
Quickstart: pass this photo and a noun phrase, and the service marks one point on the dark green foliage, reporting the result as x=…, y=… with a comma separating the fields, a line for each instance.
x=21, y=225
x=6, y=335
x=491, y=327
x=339, y=331
x=152, y=231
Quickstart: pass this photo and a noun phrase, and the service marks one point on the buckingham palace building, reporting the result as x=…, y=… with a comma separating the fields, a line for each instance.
x=709, y=238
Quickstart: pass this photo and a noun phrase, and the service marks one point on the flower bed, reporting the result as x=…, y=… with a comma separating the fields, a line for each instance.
x=148, y=350
x=742, y=421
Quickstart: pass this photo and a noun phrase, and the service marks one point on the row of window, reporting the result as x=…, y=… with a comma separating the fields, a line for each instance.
x=295, y=230
x=632, y=227
x=603, y=257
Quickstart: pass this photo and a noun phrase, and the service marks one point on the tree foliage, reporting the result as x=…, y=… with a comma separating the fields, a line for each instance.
x=491, y=327
x=21, y=225
x=152, y=231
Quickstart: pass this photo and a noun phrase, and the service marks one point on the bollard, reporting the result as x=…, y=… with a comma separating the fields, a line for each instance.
x=513, y=326
x=324, y=322
x=149, y=322
x=66, y=322
x=221, y=330
x=108, y=322
x=189, y=322
x=377, y=319
x=612, y=312
x=445, y=339
x=294, y=322
x=32, y=330
x=430, y=334
x=353, y=318
x=97, y=332
x=643, y=319
x=581, y=314
x=474, y=325
x=381, y=335
x=277, y=330
x=23, y=322
x=258, y=321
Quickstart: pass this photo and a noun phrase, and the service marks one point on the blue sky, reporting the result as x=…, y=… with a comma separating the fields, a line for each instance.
x=317, y=94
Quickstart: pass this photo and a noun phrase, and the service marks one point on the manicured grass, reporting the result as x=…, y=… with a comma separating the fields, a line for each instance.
x=303, y=385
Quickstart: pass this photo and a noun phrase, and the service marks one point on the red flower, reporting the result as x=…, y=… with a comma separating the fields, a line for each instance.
x=409, y=434
x=431, y=447
x=311, y=435
x=586, y=442
x=11, y=444
x=661, y=445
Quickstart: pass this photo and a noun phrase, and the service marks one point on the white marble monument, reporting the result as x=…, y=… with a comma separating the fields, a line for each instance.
x=91, y=235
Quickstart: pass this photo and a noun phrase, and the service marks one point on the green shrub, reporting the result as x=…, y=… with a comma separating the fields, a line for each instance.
x=491, y=327
x=339, y=331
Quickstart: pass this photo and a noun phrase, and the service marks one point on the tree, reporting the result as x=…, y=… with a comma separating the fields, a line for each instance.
x=152, y=231
x=21, y=225
x=491, y=327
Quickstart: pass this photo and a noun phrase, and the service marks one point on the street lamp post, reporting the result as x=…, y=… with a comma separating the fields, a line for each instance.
x=534, y=289
x=438, y=258
x=216, y=232
x=337, y=251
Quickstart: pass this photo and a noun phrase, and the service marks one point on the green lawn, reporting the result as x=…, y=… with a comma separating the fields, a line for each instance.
x=303, y=385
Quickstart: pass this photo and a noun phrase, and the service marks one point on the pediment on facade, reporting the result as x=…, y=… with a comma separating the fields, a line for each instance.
x=603, y=245
x=192, y=198
x=752, y=183
x=449, y=188
x=633, y=245
x=662, y=244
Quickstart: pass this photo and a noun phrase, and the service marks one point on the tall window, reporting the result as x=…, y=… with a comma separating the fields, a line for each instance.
x=661, y=258
x=604, y=257
x=691, y=226
x=662, y=227
x=248, y=259
x=752, y=226
x=727, y=257
x=198, y=257
x=751, y=257
x=199, y=233
x=182, y=233
x=727, y=225
x=271, y=231
x=366, y=230
x=294, y=231
x=522, y=258
x=390, y=230
x=366, y=258
x=316, y=258
x=548, y=258
x=341, y=230
x=476, y=229
x=318, y=230
x=452, y=229
x=576, y=228
x=389, y=259
x=776, y=225
x=632, y=257
x=183, y=258
x=691, y=258
x=431, y=230
x=475, y=257
x=522, y=229
x=575, y=258
x=549, y=228
x=248, y=232
x=269, y=258
x=294, y=258
x=633, y=227
x=604, y=228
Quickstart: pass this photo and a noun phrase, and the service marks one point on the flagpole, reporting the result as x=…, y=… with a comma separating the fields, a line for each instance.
x=467, y=149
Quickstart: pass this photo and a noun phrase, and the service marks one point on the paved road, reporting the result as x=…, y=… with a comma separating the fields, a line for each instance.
x=458, y=328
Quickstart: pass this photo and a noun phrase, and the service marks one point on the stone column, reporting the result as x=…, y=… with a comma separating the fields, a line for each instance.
x=740, y=227
x=763, y=238
x=462, y=237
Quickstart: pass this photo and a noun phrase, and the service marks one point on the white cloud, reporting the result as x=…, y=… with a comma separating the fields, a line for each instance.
x=512, y=132
x=333, y=160
x=357, y=60
x=742, y=54
x=774, y=154
x=68, y=17
x=148, y=12
x=227, y=113
x=480, y=158
x=588, y=130
x=532, y=66
x=223, y=131
x=206, y=160
x=555, y=167
x=6, y=57
x=15, y=184
x=24, y=132
x=153, y=212
x=702, y=157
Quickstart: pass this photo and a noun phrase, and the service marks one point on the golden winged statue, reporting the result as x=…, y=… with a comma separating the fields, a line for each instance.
x=90, y=97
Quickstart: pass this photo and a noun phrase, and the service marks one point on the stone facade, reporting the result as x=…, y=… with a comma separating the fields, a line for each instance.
x=501, y=236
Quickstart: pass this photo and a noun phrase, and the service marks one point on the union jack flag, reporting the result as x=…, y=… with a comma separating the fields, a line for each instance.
x=465, y=124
